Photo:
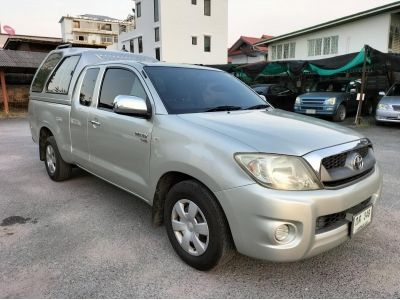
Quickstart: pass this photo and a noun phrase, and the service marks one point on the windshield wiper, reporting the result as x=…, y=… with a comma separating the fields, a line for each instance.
x=224, y=108
x=259, y=106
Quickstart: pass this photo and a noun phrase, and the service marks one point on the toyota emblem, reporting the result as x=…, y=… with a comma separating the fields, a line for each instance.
x=358, y=162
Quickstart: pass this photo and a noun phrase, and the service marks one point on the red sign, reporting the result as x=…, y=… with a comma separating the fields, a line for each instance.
x=9, y=30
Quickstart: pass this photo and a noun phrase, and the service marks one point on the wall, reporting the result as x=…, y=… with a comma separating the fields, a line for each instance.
x=244, y=59
x=179, y=21
x=373, y=31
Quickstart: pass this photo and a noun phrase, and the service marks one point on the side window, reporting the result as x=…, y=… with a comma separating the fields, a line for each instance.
x=118, y=82
x=88, y=85
x=44, y=72
x=60, y=80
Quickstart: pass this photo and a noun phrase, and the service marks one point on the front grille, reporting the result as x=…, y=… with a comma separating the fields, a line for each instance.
x=316, y=104
x=339, y=160
x=333, y=221
x=396, y=107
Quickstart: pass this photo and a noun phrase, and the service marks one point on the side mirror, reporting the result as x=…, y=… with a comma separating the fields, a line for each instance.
x=383, y=94
x=263, y=97
x=353, y=91
x=308, y=90
x=131, y=105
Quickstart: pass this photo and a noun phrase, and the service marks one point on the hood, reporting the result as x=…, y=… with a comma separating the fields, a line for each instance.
x=321, y=95
x=275, y=131
x=391, y=100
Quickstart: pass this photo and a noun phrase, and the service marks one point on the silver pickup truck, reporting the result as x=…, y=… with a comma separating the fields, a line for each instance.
x=221, y=168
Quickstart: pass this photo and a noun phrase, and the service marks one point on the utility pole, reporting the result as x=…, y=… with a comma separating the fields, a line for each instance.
x=363, y=85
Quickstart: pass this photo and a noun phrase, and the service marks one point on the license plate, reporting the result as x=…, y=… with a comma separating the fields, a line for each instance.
x=361, y=220
x=311, y=111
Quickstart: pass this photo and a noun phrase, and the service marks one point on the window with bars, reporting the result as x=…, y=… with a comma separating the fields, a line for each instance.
x=292, y=50
x=273, y=53
x=279, y=52
x=323, y=46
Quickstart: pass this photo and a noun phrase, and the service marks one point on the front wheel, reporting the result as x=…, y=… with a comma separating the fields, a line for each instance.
x=196, y=226
x=340, y=114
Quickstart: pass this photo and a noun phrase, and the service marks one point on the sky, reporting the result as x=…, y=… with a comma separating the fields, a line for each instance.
x=246, y=17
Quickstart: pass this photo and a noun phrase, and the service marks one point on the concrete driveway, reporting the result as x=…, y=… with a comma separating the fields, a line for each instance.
x=85, y=238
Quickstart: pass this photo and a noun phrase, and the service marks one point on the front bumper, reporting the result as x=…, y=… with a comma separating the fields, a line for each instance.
x=319, y=111
x=253, y=212
x=387, y=116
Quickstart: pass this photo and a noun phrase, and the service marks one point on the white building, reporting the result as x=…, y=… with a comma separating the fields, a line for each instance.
x=378, y=28
x=92, y=30
x=184, y=31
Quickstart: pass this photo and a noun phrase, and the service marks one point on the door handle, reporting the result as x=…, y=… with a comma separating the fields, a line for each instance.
x=95, y=123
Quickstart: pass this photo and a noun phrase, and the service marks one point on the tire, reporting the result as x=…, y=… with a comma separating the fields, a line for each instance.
x=57, y=168
x=212, y=250
x=340, y=114
x=368, y=109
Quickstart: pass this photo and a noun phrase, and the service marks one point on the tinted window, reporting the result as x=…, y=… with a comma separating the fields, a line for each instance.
x=60, y=80
x=186, y=90
x=88, y=84
x=44, y=72
x=119, y=82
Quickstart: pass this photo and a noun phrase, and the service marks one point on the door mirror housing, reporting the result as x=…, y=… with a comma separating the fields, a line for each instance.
x=383, y=94
x=353, y=91
x=131, y=106
x=263, y=97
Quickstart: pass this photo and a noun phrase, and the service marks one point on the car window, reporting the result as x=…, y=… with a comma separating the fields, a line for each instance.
x=191, y=90
x=394, y=91
x=330, y=86
x=44, y=72
x=60, y=80
x=88, y=85
x=278, y=90
x=119, y=82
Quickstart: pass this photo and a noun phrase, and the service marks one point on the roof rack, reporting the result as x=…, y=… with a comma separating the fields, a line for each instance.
x=64, y=46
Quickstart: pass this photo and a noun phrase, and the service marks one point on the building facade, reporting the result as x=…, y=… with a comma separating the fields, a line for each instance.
x=92, y=30
x=244, y=51
x=186, y=31
x=378, y=28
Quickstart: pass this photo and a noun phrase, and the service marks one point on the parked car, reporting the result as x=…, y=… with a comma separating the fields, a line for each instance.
x=389, y=107
x=333, y=98
x=278, y=95
x=220, y=167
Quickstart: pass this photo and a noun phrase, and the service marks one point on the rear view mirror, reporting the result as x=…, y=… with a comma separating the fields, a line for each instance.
x=131, y=105
x=382, y=94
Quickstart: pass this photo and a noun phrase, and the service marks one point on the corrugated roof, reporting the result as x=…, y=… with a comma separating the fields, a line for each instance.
x=21, y=59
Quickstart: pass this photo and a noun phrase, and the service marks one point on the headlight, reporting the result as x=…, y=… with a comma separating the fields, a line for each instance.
x=384, y=106
x=279, y=172
x=298, y=101
x=330, y=101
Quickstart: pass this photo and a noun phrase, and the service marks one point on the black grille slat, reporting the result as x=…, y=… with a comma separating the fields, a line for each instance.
x=396, y=107
x=339, y=160
x=333, y=220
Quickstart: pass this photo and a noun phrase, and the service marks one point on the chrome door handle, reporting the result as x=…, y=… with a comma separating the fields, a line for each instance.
x=95, y=123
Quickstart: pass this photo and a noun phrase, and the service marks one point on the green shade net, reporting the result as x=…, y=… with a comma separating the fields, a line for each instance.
x=357, y=61
x=274, y=69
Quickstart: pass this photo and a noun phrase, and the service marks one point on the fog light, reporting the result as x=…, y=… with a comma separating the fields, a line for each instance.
x=282, y=232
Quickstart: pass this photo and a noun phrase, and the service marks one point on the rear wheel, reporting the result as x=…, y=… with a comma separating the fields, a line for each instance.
x=368, y=108
x=57, y=168
x=196, y=226
x=340, y=114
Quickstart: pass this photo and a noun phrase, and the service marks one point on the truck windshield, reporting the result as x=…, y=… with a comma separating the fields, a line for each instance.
x=330, y=86
x=394, y=91
x=189, y=90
